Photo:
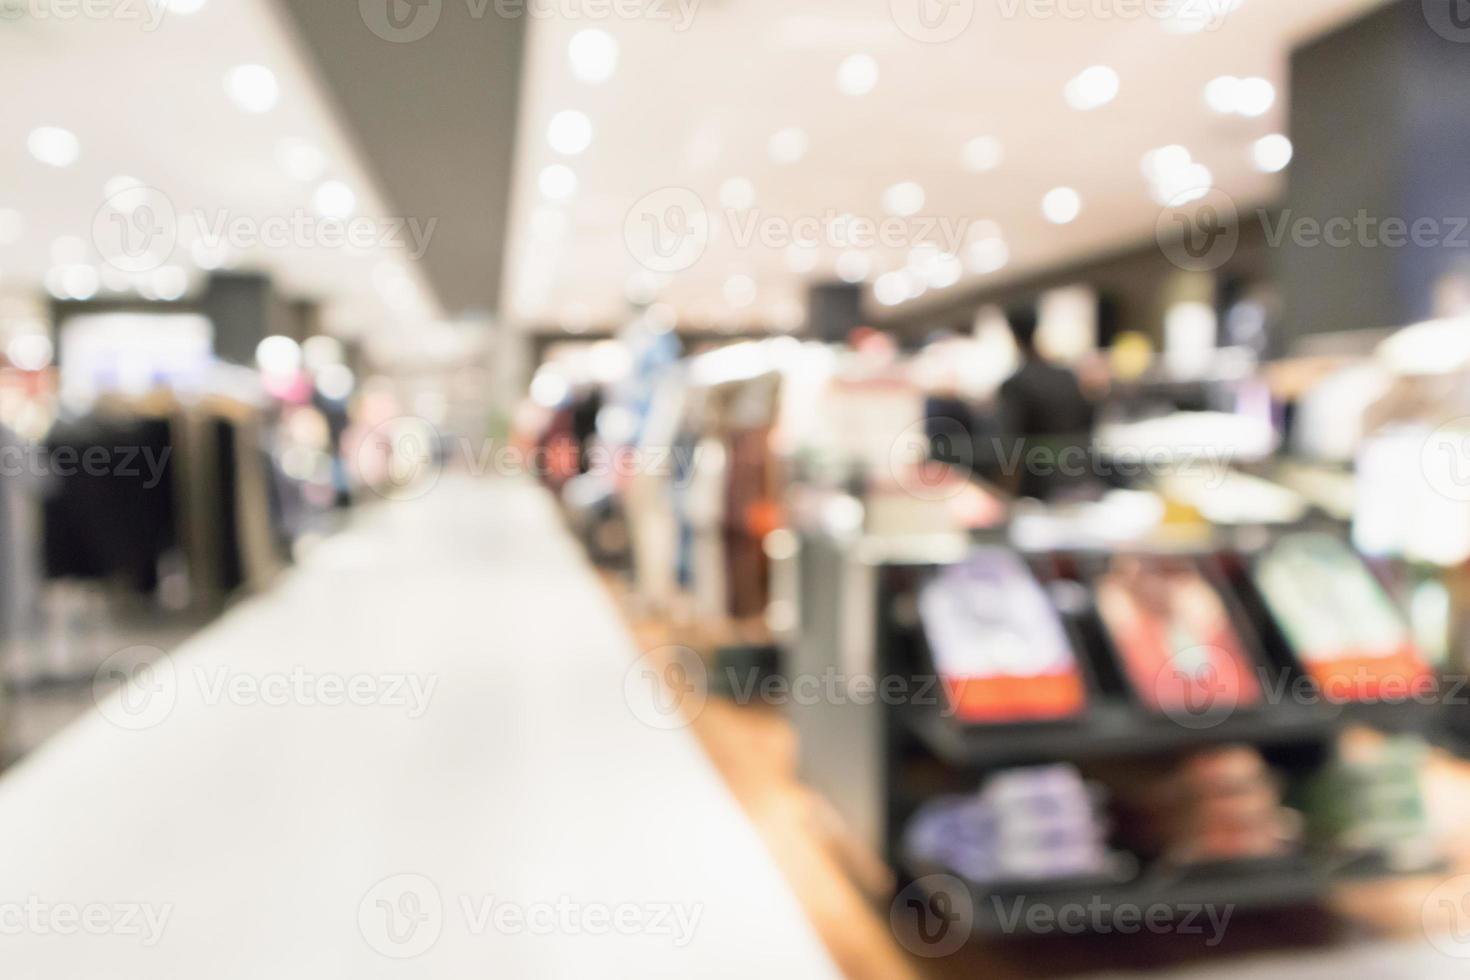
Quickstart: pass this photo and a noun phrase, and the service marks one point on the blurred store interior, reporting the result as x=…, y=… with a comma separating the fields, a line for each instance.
x=641, y=488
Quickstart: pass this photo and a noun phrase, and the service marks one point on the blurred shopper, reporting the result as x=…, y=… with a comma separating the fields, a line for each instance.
x=1045, y=420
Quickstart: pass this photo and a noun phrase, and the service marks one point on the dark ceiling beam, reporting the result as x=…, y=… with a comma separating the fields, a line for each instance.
x=429, y=90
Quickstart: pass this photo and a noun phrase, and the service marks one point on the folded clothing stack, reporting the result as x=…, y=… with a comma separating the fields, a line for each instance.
x=1023, y=825
x=1369, y=799
x=1219, y=805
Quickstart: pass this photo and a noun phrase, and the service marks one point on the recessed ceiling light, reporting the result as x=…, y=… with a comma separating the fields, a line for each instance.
x=557, y=182
x=983, y=153
x=334, y=199
x=169, y=282
x=300, y=160
x=54, y=146
x=917, y=284
x=1254, y=97
x=335, y=381
x=253, y=88
x=739, y=291
x=642, y=287
x=1174, y=177
x=737, y=193
x=857, y=75
x=891, y=288
x=853, y=266
x=904, y=199
x=77, y=282
x=320, y=350
x=1272, y=153
x=1164, y=160
x=945, y=271
x=1092, y=88
x=987, y=255
x=594, y=55
x=1181, y=186
x=81, y=281
x=1061, y=205
x=12, y=225
x=278, y=355
x=1242, y=96
x=29, y=351
x=569, y=132
x=1221, y=93
x=787, y=146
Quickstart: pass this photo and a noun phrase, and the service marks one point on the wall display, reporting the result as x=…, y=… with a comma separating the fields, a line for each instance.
x=998, y=643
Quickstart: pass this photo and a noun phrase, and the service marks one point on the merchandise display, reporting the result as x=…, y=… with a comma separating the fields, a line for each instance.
x=1176, y=639
x=1039, y=824
x=1369, y=801
x=1219, y=805
x=999, y=646
x=1353, y=642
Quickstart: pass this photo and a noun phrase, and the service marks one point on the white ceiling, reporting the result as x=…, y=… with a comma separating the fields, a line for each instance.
x=691, y=108
x=147, y=99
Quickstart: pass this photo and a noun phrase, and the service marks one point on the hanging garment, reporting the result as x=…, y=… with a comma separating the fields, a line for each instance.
x=116, y=521
x=20, y=548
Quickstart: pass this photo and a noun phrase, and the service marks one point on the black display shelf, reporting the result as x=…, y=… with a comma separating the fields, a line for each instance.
x=1108, y=731
x=1241, y=886
x=880, y=763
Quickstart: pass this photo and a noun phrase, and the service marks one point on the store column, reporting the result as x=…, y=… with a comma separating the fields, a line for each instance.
x=833, y=310
x=1373, y=226
x=245, y=309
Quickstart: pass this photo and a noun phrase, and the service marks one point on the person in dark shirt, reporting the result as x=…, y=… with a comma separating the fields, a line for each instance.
x=1041, y=406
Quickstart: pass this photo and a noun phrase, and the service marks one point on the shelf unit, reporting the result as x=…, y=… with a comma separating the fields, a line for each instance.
x=878, y=762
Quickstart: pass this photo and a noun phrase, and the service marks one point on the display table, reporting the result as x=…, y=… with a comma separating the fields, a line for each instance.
x=415, y=757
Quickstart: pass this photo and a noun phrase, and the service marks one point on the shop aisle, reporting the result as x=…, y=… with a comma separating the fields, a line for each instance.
x=486, y=803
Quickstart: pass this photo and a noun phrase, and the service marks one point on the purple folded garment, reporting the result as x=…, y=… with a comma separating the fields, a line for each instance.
x=1024, y=824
